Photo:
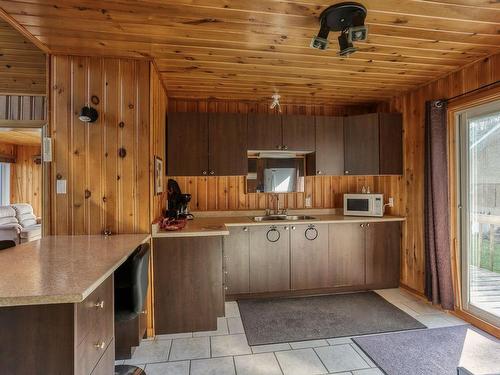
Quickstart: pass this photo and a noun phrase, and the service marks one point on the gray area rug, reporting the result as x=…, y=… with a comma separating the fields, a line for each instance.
x=437, y=351
x=278, y=320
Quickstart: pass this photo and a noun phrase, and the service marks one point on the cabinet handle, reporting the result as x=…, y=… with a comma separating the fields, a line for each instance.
x=319, y=172
x=273, y=229
x=346, y=172
x=100, y=345
x=278, y=147
x=245, y=229
x=99, y=305
x=285, y=147
x=212, y=173
x=294, y=227
x=313, y=233
x=204, y=173
x=368, y=224
x=362, y=225
x=226, y=288
x=286, y=228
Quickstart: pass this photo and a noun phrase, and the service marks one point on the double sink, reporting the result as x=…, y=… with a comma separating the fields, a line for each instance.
x=283, y=218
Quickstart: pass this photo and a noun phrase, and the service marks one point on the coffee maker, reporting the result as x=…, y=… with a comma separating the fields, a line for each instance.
x=177, y=203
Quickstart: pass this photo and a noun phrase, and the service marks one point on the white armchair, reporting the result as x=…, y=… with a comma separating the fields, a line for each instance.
x=30, y=228
x=10, y=228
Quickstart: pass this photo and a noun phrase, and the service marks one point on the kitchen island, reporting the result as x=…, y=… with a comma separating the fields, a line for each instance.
x=57, y=305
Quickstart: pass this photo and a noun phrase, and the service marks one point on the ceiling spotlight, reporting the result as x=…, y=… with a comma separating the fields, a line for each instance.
x=349, y=19
x=276, y=102
x=88, y=114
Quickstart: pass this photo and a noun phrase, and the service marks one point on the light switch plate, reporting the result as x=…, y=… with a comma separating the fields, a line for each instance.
x=61, y=187
x=308, y=202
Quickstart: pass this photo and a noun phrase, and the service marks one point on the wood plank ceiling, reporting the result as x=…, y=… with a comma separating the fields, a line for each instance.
x=22, y=64
x=249, y=49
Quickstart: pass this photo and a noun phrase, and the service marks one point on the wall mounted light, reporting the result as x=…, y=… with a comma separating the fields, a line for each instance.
x=88, y=114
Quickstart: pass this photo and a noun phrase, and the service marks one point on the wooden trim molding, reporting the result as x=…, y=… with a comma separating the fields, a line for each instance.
x=8, y=18
x=475, y=321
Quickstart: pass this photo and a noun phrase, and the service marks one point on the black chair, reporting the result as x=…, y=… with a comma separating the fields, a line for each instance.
x=6, y=244
x=131, y=286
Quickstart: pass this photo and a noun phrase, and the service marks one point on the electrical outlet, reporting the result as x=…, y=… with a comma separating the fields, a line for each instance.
x=391, y=202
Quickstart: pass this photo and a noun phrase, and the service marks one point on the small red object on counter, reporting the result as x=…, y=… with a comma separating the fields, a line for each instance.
x=172, y=224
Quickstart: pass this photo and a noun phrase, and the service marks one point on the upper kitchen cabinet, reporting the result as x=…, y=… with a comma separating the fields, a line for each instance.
x=373, y=144
x=264, y=132
x=187, y=144
x=212, y=144
x=227, y=144
x=298, y=133
x=329, y=156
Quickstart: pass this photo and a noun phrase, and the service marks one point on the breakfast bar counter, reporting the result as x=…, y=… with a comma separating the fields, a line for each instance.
x=61, y=269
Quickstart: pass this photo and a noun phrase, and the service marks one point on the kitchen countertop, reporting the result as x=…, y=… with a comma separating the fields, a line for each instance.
x=61, y=269
x=219, y=226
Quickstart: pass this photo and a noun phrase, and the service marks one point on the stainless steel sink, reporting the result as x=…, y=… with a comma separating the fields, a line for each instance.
x=283, y=218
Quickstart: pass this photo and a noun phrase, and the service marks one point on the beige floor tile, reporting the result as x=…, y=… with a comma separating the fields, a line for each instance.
x=190, y=348
x=168, y=368
x=235, y=325
x=300, y=362
x=308, y=344
x=339, y=358
x=257, y=364
x=232, y=310
x=270, y=348
x=213, y=366
x=150, y=351
x=230, y=345
x=339, y=340
x=221, y=329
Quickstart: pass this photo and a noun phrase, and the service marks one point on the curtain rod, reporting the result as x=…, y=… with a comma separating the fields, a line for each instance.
x=471, y=91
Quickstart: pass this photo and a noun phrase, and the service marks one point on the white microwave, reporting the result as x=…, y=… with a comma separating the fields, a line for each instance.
x=364, y=205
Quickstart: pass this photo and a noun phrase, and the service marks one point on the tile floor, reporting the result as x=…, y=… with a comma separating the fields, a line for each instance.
x=226, y=352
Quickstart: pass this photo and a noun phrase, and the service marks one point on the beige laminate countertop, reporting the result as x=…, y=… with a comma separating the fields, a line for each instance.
x=219, y=226
x=61, y=269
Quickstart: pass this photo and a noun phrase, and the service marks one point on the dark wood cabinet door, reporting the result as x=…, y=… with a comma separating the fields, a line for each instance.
x=361, y=145
x=391, y=143
x=228, y=144
x=269, y=258
x=383, y=247
x=188, y=292
x=329, y=154
x=309, y=256
x=237, y=260
x=347, y=254
x=264, y=131
x=187, y=144
x=298, y=132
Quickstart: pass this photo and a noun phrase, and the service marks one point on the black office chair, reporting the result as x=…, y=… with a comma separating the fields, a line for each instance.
x=6, y=244
x=131, y=286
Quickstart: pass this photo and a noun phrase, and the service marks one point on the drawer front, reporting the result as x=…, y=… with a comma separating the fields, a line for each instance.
x=106, y=365
x=95, y=327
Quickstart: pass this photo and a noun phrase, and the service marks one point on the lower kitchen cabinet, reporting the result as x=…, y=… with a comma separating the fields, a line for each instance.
x=269, y=258
x=383, y=243
x=309, y=252
x=237, y=260
x=347, y=254
x=188, y=292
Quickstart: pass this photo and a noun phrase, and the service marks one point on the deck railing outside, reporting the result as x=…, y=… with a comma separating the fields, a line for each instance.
x=487, y=252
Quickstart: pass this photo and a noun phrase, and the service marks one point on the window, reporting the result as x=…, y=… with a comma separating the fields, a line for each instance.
x=4, y=184
x=479, y=204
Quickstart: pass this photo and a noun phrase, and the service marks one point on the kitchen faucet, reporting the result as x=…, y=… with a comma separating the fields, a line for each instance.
x=277, y=210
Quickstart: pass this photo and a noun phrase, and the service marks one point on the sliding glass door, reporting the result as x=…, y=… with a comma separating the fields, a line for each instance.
x=479, y=205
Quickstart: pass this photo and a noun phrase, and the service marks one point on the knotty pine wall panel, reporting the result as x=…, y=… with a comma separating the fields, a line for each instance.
x=228, y=192
x=159, y=102
x=104, y=191
x=412, y=105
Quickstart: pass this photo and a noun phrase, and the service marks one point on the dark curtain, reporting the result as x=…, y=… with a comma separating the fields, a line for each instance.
x=439, y=283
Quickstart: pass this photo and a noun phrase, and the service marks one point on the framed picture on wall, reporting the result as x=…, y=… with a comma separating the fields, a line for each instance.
x=158, y=175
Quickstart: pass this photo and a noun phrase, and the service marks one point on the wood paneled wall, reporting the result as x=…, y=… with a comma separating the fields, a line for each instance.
x=26, y=178
x=228, y=193
x=158, y=114
x=412, y=105
x=22, y=107
x=104, y=190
